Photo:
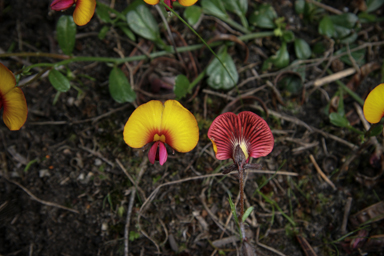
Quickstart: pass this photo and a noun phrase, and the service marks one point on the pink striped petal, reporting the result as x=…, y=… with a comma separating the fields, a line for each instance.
x=60, y=5
x=163, y=154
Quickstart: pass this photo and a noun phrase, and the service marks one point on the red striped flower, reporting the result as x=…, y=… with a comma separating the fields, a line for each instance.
x=12, y=100
x=246, y=131
x=169, y=123
x=83, y=11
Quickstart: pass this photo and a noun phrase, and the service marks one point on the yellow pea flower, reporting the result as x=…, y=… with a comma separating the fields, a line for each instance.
x=169, y=123
x=12, y=100
x=84, y=9
x=374, y=105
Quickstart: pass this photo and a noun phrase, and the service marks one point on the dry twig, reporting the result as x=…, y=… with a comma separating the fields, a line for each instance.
x=321, y=172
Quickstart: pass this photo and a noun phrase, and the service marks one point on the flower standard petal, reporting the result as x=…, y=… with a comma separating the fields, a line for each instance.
x=179, y=127
x=258, y=134
x=15, y=109
x=374, y=105
x=221, y=134
x=152, y=2
x=187, y=2
x=7, y=80
x=143, y=124
x=60, y=5
x=84, y=11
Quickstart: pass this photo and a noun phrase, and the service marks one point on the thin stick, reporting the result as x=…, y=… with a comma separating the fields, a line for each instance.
x=347, y=208
x=321, y=172
x=334, y=77
x=270, y=249
x=325, y=7
x=39, y=200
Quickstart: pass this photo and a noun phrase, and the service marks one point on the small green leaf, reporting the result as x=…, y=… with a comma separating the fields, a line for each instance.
x=128, y=32
x=326, y=27
x=338, y=120
x=292, y=84
x=358, y=56
x=281, y=59
x=103, y=32
x=119, y=87
x=375, y=130
x=302, y=49
x=373, y=5
x=214, y=7
x=120, y=211
x=218, y=75
x=263, y=17
x=66, y=33
x=133, y=235
x=192, y=14
x=288, y=36
x=102, y=12
x=142, y=22
x=233, y=209
x=59, y=81
x=247, y=213
x=299, y=6
x=181, y=86
x=344, y=25
x=239, y=7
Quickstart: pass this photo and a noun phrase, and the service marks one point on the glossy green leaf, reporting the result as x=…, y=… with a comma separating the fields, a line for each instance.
x=338, y=120
x=302, y=49
x=239, y=7
x=326, y=27
x=128, y=32
x=192, y=14
x=214, y=7
x=142, y=22
x=344, y=25
x=119, y=87
x=373, y=5
x=218, y=75
x=247, y=213
x=66, y=32
x=102, y=12
x=281, y=59
x=103, y=32
x=263, y=17
x=288, y=36
x=59, y=81
x=181, y=86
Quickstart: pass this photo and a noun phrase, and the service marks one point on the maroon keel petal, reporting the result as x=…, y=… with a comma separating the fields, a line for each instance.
x=163, y=154
x=257, y=134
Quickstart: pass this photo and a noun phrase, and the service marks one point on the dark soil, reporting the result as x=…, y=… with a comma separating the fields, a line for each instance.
x=66, y=155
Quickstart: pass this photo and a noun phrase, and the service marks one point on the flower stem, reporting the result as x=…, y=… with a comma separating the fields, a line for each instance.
x=241, y=191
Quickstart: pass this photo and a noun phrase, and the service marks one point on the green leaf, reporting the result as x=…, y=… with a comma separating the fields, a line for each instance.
x=302, y=49
x=373, y=5
x=192, y=14
x=263, y=17
x=142, y=22
x=247, y=213
x=128, y=32
x=299, y=6
x=326, y=27
x=133, y=235
x=214, y=7
x=66, y=32
x=338, y=120
x=375, y=130
x=102, y=12
x=281, y=59
x=343, y=24
x=218, y=75
x=292, y=84
x=59, y=81
x=181, y=86
x=288, y=36
x=119, y=87
x=233, y=209
x=239, y=7
x=103, y=32
x=358, y=56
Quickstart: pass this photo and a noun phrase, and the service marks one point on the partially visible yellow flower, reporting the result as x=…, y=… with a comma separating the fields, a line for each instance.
x=84, y=9
x=374, y=105
x=12, y=100
x=169, y=123
x=169, y=2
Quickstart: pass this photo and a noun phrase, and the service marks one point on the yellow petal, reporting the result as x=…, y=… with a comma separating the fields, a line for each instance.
x=15, y=109
x=152, y=2
x=7, y=80
x=84, y=11
x=187, y=2
x=144, y=123
x=179, y=127
x=374, y=105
